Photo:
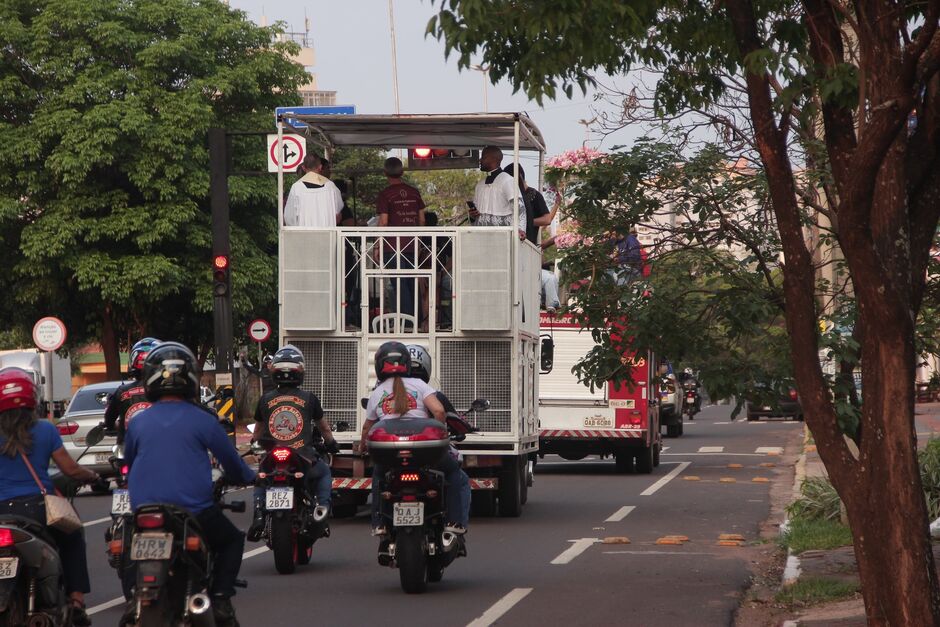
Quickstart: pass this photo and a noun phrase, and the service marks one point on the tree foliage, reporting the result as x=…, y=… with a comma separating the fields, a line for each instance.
x=104, y=160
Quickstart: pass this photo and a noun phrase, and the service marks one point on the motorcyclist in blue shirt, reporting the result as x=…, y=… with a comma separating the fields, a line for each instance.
x=167, y=448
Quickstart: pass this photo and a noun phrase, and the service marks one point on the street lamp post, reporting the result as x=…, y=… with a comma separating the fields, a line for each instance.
x=484, y=71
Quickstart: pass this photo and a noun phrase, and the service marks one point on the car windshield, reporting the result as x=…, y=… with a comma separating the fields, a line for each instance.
x=90, y=400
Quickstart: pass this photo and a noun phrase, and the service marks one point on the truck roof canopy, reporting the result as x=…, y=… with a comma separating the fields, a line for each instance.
x=466, y=130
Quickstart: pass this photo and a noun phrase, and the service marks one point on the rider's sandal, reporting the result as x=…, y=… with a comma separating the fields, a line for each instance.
x=79, y=615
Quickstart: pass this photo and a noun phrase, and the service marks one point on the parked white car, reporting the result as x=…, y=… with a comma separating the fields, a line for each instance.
x=86, y=411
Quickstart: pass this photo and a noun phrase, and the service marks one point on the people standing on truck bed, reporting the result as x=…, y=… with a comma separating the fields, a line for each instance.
x=314, y=200
x=400, y=204
x=495, y=195
x=536, y=209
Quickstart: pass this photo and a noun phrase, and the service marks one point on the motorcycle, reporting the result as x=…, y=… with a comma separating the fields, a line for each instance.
x=116, y=536
x=174, y=566
x=691, y=405
x=32, y=590
x=294, y=521
x=413, y=496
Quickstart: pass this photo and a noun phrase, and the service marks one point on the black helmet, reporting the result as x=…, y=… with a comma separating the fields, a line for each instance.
x=139, y=351
x=170, y=370
x=287, y=366
x=420, y=362
x=391, y=360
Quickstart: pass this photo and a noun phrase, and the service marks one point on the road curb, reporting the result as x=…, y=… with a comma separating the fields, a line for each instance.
x=791, y=571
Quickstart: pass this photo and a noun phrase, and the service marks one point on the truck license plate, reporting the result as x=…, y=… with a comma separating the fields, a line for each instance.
x=599, y=421
x=120, y=502
x=8, y=567
x=408, y=514
x=279, y=498
x=152, y=546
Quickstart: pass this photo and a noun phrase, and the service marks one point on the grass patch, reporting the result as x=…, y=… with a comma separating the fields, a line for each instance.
x=814, y=590
x=804, y=535
x=818, y=501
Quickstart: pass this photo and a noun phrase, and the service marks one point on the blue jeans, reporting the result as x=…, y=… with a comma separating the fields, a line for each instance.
x=457, y=493
x=319, y=482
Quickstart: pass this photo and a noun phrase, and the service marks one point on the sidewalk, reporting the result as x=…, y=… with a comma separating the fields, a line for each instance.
x=839, y=564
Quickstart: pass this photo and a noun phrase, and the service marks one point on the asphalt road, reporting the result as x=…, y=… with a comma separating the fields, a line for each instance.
x=550, y=566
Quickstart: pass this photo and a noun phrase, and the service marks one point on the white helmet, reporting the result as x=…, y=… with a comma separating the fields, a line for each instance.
x=420, y=362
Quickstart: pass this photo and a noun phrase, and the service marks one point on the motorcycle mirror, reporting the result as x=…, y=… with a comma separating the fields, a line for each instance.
x=94, y=436
x=547, y=359
x=480, y=404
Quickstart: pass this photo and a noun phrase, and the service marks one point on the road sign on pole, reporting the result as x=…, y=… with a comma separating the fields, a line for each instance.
x=49, y=334
x=334, y=110
x=291, y=152
x=259, y=330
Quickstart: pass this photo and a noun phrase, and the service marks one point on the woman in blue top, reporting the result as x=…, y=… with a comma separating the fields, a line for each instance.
x=22, y=431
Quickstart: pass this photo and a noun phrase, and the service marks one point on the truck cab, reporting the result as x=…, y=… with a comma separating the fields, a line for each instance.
x=341, y=294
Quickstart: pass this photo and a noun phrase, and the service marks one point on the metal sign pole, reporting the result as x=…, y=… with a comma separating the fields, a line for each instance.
x=260, y=374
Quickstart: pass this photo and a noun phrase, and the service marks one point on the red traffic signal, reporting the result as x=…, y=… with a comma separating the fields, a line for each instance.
x=220, y=268
x=220, y=262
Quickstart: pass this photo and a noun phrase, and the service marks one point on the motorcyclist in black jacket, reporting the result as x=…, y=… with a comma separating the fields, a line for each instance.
x=129, y=398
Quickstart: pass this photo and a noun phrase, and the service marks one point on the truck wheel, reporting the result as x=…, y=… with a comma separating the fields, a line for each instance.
x=623, y=462
x=510, y=491
x=680, y=426
x=644, y=459
x=657, y=451
x=672, y=431
x=524, y=480
x=412, y=560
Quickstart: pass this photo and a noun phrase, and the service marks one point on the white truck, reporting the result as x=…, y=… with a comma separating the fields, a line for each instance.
x=55, y=383
x=344, y=291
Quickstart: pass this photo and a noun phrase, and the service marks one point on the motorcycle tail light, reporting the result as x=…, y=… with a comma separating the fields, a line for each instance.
x=150, y=579
x=151, y=520
x=793, y=394
x=193, y=543
x=409, y=497
x=116, y=547
x=6, y=538
x=409, y=477
x=125, y=470
x=281, y=454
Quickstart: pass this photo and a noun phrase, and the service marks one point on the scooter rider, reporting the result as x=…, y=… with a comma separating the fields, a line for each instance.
x=290, y=416
x=129, y=398
x=400, y=395
x=167, y=449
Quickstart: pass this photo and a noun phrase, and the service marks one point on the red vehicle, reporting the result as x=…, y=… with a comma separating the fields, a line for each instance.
x=614, y=419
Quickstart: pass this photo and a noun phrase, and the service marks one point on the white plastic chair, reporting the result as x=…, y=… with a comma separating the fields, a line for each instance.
x=393, y=323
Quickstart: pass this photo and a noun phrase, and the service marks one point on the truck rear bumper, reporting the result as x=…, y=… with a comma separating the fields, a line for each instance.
x=366, y=484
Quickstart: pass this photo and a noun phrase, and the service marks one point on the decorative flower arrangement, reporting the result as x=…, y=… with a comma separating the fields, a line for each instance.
x=559, y=171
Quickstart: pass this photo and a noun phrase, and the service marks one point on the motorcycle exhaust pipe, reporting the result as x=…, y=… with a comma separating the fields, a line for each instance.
x=449, y=540
x=320, y=513
x=200, y=610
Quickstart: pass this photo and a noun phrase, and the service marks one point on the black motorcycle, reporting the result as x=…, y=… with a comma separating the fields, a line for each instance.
x=412, y=493
x=174, y=566
x=32, y=588
x=692, y=400
x=293, y=518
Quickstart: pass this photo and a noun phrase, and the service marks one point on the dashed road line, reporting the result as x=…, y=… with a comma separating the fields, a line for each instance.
x=714, y=455
x=97, y=521
x=621, y=513
x=499, y=608
x=711, y=449
x=769, y=450
x=672, y=475
x=577, y=547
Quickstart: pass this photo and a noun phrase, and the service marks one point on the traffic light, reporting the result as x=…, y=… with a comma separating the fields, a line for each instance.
x=427, y=158
x=220, y=275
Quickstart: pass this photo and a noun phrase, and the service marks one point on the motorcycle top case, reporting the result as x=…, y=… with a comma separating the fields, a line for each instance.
x=408, y=442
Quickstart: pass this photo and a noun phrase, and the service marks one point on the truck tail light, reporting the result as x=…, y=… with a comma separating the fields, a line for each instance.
x=793, y=394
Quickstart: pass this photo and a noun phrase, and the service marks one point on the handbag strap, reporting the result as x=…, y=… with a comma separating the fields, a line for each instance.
x=32, y=471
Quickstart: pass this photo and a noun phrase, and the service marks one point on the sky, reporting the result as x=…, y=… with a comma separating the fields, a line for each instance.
x=353, y=57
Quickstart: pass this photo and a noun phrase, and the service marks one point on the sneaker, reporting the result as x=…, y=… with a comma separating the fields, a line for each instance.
x=80, y=616
x=256, y=530
x=379, y=531
x=455, y=528
x=129, y=617
x=223, y=612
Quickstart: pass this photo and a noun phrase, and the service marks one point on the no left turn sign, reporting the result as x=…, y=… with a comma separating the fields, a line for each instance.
x=291, y=152
x=259, y=330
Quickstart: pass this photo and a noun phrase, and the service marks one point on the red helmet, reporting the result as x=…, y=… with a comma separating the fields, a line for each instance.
x=16, y=389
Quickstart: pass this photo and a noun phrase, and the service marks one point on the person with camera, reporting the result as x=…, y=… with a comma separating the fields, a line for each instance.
x=292, y=417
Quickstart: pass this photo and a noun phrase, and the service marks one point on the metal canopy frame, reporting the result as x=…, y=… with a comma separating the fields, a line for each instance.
x=465, y=130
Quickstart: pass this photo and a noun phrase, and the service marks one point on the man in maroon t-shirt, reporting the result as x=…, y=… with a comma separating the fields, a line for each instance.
x=400, y=204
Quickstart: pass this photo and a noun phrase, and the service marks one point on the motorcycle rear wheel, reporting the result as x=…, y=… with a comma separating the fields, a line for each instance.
x=435, y=570
x=156, y=614
x=304, y=550
x=283, y=545
x=412, y=560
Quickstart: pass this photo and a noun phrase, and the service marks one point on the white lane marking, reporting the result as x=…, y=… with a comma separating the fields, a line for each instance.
x=621, y=513
x=653, y=553
x=665, y=448
x=107, y=605
x=499, y=608
x=711, y=449
x=577, y=548
x=672, y=475
x=769, y=449
x=96, y=522
x=722, y=423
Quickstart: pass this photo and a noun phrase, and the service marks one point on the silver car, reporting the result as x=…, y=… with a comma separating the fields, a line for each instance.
x=85, y=411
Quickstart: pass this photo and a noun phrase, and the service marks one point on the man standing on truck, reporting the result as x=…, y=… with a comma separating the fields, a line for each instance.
x=314, y=200
x=494, y=196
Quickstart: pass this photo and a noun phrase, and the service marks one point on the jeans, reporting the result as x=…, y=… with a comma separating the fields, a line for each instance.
x=457, y=493
x=405, y=262
x=225, y=541
x=319, y=482
x=71, y=546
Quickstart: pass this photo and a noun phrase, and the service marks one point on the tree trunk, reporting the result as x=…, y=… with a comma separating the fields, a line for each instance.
x=109, y=345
